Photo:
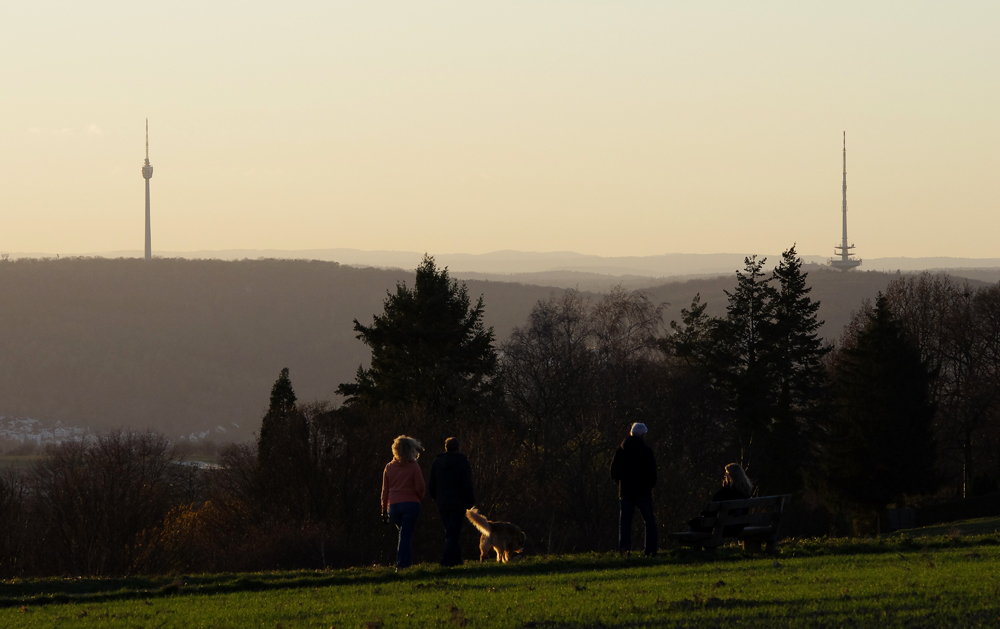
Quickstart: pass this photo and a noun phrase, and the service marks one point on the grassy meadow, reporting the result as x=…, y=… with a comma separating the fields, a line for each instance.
x=898, y=581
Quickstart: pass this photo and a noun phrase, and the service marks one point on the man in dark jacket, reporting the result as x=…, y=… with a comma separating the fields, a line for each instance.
x=634, y=469
x=450, y=486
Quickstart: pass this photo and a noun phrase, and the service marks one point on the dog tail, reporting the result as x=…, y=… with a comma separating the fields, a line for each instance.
x=478, y=521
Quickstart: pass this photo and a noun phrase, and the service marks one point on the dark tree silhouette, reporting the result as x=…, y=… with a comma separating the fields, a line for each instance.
x=548, y=373
x=743, y=359
x=575, y=378
x=429, y=348
x=283, y=455
x=796, y=352
x=691, y=339
x=14, y=523
x=93, y=501
x=957, y=329
x=881, y=447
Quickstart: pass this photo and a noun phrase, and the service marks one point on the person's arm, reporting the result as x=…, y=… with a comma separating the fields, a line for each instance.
x=652, y=470
x=616, y=472
x=385, y=489
x=719, y=496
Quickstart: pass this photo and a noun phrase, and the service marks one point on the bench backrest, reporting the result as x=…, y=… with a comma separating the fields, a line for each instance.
x=757, y=512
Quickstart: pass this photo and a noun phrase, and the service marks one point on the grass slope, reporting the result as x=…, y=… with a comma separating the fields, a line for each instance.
x=898, y=582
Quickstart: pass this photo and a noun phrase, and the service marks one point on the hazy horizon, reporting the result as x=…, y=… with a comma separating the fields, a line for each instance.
x=521, y=263
x=613, y=129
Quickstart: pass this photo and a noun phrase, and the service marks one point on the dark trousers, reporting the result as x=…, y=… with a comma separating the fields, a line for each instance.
x=628, y=507
x=452, y=520
x=404, y=515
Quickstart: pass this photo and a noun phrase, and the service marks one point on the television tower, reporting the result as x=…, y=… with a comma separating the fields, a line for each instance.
x=147, y=174
x=846, y=262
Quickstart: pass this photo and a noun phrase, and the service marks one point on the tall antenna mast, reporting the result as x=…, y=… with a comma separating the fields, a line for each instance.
x=846, y=261
x=147, y=145
x=844, y=243
x=147, y=173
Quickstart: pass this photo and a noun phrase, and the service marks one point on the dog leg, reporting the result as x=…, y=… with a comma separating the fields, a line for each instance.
x=483, y=548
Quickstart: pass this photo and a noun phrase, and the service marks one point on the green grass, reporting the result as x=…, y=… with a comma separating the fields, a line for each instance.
x=901, y=582
x=979, y=526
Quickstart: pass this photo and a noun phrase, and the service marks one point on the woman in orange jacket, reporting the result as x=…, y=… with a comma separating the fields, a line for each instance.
x=402, y=490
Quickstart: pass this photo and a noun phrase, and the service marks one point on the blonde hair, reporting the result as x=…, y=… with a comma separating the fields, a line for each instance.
x=738, y=478
x=406, y=449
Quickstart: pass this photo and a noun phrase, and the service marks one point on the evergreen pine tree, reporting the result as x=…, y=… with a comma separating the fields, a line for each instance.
x=743, y=358
x=796, y=353
x=691, y=339
x=881, y=447
x=283, y=455
x=429, y=348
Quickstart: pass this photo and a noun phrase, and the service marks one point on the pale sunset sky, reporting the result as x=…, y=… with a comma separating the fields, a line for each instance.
x=608, y=128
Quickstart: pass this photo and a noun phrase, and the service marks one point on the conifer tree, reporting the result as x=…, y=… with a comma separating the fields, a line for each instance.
x=796, y=353
x=881, y=444
x=283, y=455
x=691, y=339
x=429, y=348
x=743, y=357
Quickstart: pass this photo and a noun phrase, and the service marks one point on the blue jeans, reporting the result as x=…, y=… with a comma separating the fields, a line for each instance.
x=628, y=507
x=404, y=515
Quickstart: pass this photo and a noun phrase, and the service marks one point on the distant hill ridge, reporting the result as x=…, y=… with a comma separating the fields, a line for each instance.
x=669, y=265
x=178, y=345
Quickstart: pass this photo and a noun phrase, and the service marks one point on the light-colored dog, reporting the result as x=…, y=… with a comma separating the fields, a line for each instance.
x=503, y=537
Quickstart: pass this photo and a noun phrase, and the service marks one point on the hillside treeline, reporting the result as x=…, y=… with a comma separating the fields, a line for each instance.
x=904, y=411
x=183, y=346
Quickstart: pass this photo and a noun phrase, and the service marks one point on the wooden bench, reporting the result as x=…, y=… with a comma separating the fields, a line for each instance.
x=761, y=524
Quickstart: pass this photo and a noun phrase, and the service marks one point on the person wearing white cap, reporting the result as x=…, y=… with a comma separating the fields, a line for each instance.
x=634, y=469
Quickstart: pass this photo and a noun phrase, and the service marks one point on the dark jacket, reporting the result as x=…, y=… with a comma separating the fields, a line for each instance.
x=634, y=468
x=451, y=482
x=726, y=493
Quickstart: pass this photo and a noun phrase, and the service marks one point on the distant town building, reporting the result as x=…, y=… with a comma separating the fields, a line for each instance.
x=28, y=430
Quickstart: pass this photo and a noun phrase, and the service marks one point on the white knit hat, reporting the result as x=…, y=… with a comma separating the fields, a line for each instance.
x=638, y=429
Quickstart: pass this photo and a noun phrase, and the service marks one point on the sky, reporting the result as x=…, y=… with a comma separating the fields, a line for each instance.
x=607, y=128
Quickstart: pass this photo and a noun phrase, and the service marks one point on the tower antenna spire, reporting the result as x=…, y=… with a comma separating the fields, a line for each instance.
x=847, y=261
x=147, y=173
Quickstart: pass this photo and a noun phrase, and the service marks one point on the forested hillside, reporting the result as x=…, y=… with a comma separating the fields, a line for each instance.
x=838, y=293
x=182, y=345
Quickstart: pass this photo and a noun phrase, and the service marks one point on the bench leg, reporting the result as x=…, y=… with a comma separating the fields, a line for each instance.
x=751, y=546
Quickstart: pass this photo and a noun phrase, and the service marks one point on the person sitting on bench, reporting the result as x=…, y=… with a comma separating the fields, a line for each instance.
x=735, y=486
